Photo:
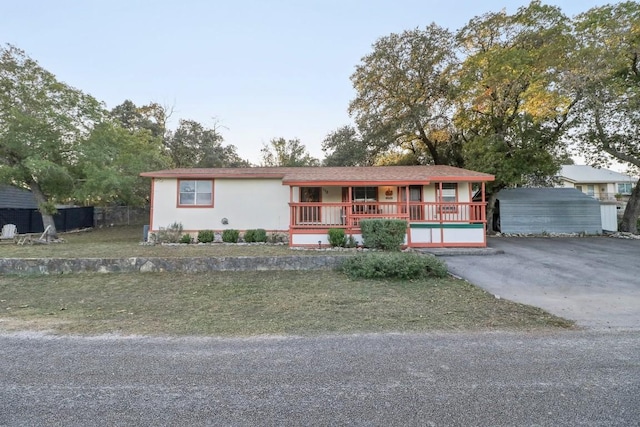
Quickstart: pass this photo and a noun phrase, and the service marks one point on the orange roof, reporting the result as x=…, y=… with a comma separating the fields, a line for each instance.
x=333, y=175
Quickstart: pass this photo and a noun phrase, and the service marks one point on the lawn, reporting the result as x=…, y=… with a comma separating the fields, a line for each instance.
x=254, y=303
x=238, y=303
x=124, y=242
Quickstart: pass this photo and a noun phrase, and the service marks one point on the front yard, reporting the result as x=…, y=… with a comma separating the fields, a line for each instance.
x=238, y=303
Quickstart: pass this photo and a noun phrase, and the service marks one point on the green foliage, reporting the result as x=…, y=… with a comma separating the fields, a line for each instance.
x=205, y=236
x=170, y=234
x=385, y=234
x=337, y=237
x=249, y=236
x=186, y=238
x=277, y=238
x=281, y=152
x=345, y=147
x=398, y=265
x=230, y=236
x=351, y=242
x=260, y=235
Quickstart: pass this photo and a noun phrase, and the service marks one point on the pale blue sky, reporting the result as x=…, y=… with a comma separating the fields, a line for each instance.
x=263, y=69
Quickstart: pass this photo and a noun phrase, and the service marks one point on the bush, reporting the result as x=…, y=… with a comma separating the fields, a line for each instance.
x=385, y=234
x=250, y=236
x=230, y=236
x=260, y=235
x=171, y=234
x=337, y=237
x=205, y=236
x=399, y=265
x=186, y=238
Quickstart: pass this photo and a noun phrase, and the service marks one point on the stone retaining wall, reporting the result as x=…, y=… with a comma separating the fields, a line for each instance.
x=184, y=265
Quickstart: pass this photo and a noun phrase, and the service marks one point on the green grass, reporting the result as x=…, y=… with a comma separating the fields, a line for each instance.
x=254, y=303
x=124, y=242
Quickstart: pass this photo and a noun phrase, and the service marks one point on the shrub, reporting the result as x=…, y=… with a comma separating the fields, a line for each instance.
x=399, y=265
x=250, y=236
x=337, y=237
x=205, y=236
x=230, y=236
x=385, y=234
x=277, y=238
x=171, y=234
x=351, y=242
x=260, y=235
x=186, y=238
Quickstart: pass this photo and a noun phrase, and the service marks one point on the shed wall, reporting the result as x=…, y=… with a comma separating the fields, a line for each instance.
x=542, y=216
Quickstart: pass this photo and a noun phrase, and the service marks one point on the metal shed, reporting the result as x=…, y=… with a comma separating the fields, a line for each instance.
x=547, y=210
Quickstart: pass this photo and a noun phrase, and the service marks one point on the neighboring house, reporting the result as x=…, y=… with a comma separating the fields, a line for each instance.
x=549, y=210
x=306, y=202
x=601, y=184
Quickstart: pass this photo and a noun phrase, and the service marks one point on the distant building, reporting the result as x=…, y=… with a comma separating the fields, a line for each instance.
x=601, y=184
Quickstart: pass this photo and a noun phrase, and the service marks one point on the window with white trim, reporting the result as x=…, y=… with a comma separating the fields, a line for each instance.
x=625, y=188
x=195, y=193
x=449, y=195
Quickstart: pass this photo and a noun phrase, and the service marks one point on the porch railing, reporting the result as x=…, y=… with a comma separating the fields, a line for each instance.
x=349, y=215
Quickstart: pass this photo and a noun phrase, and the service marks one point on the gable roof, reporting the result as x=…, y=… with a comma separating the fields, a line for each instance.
x=585, y=173
x=16, y=198
x=333, y=175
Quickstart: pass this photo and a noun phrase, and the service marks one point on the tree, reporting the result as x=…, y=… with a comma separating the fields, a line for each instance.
x=403, y=95
x=345, y=147
x=152, y=117
x=110, y=163
x=193, y=145
x=43, y=122
x=608, y=115
x=512, y=107
x=281, y=152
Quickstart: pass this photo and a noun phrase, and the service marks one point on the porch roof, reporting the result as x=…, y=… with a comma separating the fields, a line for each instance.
x=372, y=175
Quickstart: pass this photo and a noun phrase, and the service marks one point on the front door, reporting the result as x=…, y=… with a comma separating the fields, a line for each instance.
x=310, y=195
x=415, y=195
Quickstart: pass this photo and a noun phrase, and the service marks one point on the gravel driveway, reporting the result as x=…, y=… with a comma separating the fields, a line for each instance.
x=592, y=280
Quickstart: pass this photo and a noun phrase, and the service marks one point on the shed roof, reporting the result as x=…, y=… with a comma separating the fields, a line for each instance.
x=16, y=198
x=333, y=175
x=585, y=173
x=545, y=194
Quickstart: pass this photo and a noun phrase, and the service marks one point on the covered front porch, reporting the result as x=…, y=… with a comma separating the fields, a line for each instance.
x=439, y=214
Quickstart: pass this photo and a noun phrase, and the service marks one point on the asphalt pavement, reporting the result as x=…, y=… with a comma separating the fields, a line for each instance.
x=592, y=280
x=482, y=379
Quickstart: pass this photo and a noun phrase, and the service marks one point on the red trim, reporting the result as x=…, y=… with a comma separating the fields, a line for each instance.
x=152, y=201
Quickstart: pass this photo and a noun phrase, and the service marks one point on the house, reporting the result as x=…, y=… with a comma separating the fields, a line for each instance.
x=601, y=184
x=305, y=202
x=547, y=210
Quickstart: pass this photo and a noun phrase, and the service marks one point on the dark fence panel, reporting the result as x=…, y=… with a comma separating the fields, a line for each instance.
x=30, y=220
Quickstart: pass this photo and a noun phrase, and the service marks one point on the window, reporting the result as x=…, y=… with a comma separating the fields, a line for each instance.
x=579, y=188
x=449, y=195
x=591, y=191
x=625, y=187
x=310, y=214
x=195, y=193
x=365, y=194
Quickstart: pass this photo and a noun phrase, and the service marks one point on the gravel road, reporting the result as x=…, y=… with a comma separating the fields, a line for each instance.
x=587, y=378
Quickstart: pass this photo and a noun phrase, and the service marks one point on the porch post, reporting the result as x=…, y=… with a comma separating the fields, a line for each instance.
x=440, y=199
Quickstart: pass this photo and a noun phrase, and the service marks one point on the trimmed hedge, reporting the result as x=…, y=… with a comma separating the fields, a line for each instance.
x=230, y=236
x=205, y=236
x=398, y=265
x=259, y=235
x=337, y=237
x=385, y=234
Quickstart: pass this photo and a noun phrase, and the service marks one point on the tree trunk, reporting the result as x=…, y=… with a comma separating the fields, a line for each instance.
x=632, y=212
x=491, y=204
x=47, y=219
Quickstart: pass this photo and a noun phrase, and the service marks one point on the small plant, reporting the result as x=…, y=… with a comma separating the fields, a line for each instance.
x=337, y=237
x=171, y=234
x=398, y=265
x=230, y=236
x=351, y=242
x=385, y=234
x=277, y=238
x=260, y=235
x=250, y=236
x=205, y=236
x=186, y=238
